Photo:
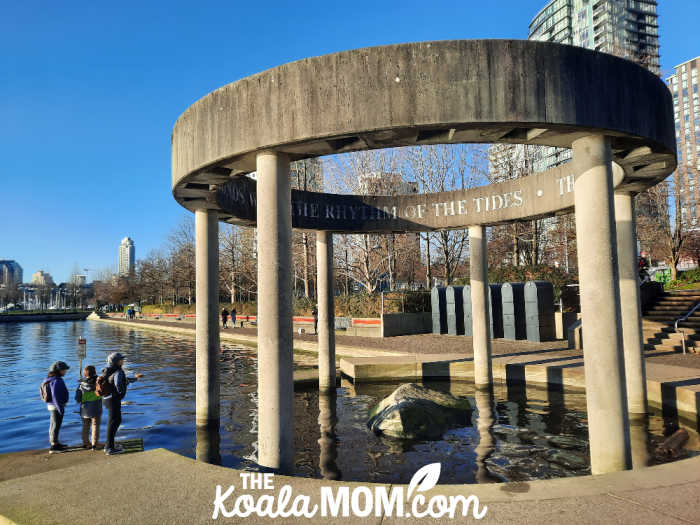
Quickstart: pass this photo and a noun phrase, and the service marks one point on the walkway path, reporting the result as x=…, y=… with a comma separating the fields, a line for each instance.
x=159, y=487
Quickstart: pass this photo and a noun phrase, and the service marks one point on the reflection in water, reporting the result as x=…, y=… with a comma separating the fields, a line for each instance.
x=484, y=424
x=208, y=444
x=639, y=441
x=327, y=420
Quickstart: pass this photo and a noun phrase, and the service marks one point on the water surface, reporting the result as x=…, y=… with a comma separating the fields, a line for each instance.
x=516, y=434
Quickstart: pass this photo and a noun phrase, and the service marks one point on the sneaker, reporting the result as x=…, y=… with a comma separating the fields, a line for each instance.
x=61, y=446
x=55, y=449
x=113, y=451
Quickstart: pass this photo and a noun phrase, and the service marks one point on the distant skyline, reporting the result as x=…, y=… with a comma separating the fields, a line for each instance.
x=90, y=93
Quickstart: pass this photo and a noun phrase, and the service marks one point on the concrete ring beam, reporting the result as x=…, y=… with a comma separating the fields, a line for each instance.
x=462, y=91
x=537, y=195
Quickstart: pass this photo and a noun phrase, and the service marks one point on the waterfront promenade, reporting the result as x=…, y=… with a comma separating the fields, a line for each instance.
x=159, y=487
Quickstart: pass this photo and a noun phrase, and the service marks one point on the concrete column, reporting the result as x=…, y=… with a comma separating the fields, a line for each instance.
x=326, y=311
x=275, y=381
x=606, y=397
x=328, y=445
x=484, y=424
x=481, y=341
x=207, y=320
x=639, y=443
x=630, y=305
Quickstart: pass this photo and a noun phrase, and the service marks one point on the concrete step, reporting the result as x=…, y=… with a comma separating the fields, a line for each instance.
x=658, y=348
x=667, y=338
x=668, y=308
x=678, y=299
x=675, y=314
x=660, y=318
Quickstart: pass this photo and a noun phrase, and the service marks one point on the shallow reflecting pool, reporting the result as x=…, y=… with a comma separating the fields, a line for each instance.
x=514, y=434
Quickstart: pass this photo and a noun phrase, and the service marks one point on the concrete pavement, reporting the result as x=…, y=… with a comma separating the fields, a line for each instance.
x=160, y=487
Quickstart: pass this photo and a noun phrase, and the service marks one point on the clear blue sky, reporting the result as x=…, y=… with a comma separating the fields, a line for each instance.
x=89, y=92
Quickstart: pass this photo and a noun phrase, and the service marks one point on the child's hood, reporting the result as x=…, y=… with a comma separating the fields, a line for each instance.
x=87, y=384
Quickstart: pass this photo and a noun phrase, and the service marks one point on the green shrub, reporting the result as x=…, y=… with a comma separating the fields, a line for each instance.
x=690, y=276
x=355, y=305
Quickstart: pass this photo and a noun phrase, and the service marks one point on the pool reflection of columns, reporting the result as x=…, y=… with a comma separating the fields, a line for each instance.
x=639, y=435
x=327, y=420
x=207, y=325
x=208, y=443
x=480, y=307
x=326, y=311
x=275, y=358
x=630, y=306
x=606, y=398
x=484, y=425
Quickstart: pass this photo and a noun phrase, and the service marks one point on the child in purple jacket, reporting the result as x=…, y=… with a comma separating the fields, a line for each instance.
x=56, y=406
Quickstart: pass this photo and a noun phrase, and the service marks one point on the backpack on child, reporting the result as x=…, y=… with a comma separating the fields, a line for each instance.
x=45, y=391
x=103, y=386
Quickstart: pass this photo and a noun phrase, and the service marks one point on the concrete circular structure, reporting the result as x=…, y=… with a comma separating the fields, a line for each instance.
x=466, y=91
x=616, y=116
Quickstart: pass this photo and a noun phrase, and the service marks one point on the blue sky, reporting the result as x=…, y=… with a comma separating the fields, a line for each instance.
x=89, y=93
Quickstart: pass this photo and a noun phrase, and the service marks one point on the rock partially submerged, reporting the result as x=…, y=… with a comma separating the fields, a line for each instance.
x=415, y=412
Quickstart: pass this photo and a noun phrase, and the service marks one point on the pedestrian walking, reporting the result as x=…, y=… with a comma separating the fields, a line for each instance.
x=112, y=385
x=55, y=394
x=314, y=312
x=90, y=407
x=234, y=314
x=224, y=317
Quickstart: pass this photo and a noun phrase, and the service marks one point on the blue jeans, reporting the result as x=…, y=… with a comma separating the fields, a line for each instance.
x=55, y=426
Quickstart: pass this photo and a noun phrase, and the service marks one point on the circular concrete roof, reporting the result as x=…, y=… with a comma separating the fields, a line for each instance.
x=484, y=91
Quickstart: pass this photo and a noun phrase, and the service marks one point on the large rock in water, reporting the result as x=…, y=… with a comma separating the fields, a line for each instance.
x=415, y=412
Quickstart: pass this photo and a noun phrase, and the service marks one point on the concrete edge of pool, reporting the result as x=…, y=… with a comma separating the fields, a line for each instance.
x=158, y=486
x=672, y=388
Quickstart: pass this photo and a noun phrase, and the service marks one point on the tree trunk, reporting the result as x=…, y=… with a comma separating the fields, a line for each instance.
x=428, y=267
x=305, y=242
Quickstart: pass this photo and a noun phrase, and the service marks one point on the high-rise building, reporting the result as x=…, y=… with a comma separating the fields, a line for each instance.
x=11, y=273
x=683, y=83
x=127, y=255
x=42, y=278
x=626, y=28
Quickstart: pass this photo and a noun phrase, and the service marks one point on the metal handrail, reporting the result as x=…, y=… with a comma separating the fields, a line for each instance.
x=684, y=318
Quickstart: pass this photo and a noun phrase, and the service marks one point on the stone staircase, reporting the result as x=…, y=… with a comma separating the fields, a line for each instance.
x=658, y=320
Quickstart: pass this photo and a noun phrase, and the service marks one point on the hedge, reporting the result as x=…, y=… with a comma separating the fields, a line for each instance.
x=356, y=305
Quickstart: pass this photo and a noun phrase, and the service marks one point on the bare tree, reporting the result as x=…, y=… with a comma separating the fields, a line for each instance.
x=181, y=246
x=306, y=175
x=440, y=168
x=663, y=229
